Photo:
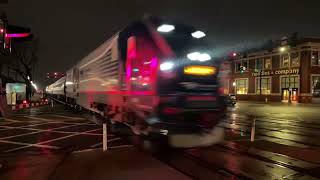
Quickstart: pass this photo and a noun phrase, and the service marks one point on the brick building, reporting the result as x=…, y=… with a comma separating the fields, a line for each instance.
x=278, y=73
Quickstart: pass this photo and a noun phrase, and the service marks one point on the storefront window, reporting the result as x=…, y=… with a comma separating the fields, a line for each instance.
x=238, y=65
x=267, y=63
x=285, y=60
x=294, y=59
x=259, y=64
x=241, y=86
x=243, y=63
x=315, y=58
x=294, y=82
x=265, y=85
x=315, y=86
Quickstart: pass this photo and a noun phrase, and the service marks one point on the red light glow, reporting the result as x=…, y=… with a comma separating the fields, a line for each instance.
x=21, y=35
x=24, y=102
x=234, y=54
x=171, y=110
x=1, y=30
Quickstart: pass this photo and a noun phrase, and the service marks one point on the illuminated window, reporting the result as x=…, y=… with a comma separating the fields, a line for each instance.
x=285, y=60
x=259, y=64
x=293, y=83
x=243, y=63
x=265, y=85
x=315, y=58
x=241, y=86
x=267, y=63
x=294, y=59
x=315, y=86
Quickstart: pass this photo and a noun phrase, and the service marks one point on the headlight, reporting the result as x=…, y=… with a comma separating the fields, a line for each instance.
x=166, y=66
x=204, y=57
x=165, y=28
x=198, y=34
x=196, y=56
x=193, y=56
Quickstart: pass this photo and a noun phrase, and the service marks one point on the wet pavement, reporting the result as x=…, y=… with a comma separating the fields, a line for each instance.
x=285, y=146
x=44, y=128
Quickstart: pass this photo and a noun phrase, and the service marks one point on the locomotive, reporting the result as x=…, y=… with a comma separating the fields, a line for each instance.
x=156, y=77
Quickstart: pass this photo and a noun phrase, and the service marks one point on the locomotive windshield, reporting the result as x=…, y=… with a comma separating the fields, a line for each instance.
x=184, y=39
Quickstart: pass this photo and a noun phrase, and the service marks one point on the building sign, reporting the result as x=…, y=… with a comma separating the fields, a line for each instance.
x=276, y=72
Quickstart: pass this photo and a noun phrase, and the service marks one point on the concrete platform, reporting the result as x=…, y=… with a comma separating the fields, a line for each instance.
x=117, y=164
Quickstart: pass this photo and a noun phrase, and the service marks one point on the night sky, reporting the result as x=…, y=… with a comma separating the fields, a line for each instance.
x=69, y=29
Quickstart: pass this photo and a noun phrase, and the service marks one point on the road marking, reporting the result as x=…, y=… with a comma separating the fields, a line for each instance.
x=28, y=145
x=40, y=144
x=55, y=121
x=121, y=146
x=12, y=120
x=39, y=131
x=100, y=143
x=65, y=137
x=75, y=118
x=46, y=130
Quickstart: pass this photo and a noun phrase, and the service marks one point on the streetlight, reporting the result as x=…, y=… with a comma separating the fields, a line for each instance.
x=284, y=49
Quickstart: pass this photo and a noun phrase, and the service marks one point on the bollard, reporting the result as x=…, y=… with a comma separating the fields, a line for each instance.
x=253, y=128
x=51, y=103
x=104, y=139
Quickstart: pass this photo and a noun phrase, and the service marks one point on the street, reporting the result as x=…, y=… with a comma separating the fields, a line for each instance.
x=285, y=145
x=42, y=129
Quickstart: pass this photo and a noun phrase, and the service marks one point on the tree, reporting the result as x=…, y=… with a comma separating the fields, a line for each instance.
x=22, y=59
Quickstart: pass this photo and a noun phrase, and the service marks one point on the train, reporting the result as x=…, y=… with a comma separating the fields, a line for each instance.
x=157, y=77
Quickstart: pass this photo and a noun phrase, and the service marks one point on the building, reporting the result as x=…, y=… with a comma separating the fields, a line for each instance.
x=282, y=73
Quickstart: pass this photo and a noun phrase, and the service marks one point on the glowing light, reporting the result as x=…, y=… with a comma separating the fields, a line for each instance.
x=24, y=102
x=1, y=30
x=204, y=57
x=200, y=70
x=28, y=77
x=21, y=35
x=34, y=85
x=234, y=54
x=196, y=56
x=55, y=73
x=193, y=56
x=135, y=70
x=282, y=49
x=234, y=84
x=69, y=83
x=165, y=28
x=166, y=66
x=198, y=34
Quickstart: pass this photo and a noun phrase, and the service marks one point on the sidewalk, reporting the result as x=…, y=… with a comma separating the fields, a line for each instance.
x=279, y=103
x=115, y=164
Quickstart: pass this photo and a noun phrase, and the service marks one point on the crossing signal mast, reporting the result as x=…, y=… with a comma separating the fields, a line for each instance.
x=9, y=32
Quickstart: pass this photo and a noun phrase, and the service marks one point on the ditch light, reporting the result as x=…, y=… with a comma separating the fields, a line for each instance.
x=200, y=70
